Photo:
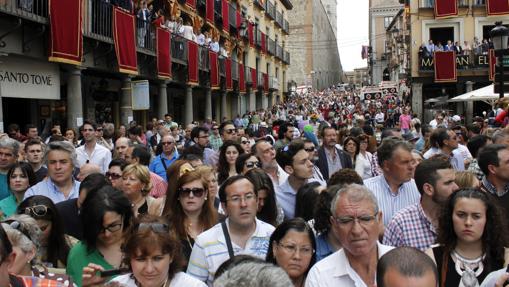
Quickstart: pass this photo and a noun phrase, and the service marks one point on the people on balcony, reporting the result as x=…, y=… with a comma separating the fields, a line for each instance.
x=477, y=46
x=439, y=47
x=430, y=47
x=457, y=48
x=143, y=16
x=467, y=49
x=448, y=46
x=186, y=31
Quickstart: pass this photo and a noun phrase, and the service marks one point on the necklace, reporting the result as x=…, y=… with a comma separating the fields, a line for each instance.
x=134, y=204
x=465, y=268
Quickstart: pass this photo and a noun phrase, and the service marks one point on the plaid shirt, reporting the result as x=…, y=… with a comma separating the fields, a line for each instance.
x=475, y=169
x=410, y=227
x=215, y=142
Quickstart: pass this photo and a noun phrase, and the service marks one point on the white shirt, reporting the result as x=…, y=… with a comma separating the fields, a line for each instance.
x=101, y=156
x=363, y=165
x=335, y=270
x=180, y=279
x=210, y=250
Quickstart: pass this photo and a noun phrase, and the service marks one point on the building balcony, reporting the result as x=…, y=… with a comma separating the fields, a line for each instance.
x=286, y=26
x=279, y=52
x=286, y=57
x=270, y=11
x=259, y=79
x=34, y=10
x=273, y=83
x=463, y=62
x=430, y=4
x=247, y=74
x=232, y=18
x=271, y=46
x=179, y=49
x=279, y=19
x=260, y=4
x=258, y=38
x=235, y=70
x=218, y=16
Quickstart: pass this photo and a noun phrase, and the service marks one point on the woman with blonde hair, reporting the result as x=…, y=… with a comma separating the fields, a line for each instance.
x=136, y=186
x=191, y=211
x=466, y=179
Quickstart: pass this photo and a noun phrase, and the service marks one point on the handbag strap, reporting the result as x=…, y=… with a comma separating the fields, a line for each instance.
x=227, y=238
x=164, y=165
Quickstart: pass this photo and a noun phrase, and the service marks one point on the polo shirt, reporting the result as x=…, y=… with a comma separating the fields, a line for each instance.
x=156, y=165
x=101, y=156
x=210, y=250
x=335, y=270
x=388, y=202
x=48, y=188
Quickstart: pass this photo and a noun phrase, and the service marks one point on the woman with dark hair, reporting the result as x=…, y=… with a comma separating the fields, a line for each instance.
x=246, y=162
x=153, y=258
x=306, y=199
x=106, y=213
x=54, y=244
x=192, y=210
x=471, y=235
x=290, y=238
x=364, y=159
x=174, y=172
x=228, y=154
x=351, y=147
x=268, y=211
x=19, y=178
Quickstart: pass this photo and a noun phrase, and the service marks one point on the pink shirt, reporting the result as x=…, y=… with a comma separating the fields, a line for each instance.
x=404, y=121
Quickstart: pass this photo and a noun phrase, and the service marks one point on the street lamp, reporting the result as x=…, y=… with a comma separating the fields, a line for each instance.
x=499, y=37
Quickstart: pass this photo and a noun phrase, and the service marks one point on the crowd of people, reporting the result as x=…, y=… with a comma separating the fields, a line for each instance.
x=324, y=189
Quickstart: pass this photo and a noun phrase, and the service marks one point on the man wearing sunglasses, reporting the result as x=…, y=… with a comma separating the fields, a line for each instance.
x=170, y=154
x=228, y=131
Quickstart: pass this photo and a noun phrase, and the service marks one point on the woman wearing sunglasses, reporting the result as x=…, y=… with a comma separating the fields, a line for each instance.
x=228, y=154
x=246, y=162
x=245, y=143
x=192, y=210
x=54, y=244
x=106, y=213
x=153, y=258
x=19, y=178
x=136, y=186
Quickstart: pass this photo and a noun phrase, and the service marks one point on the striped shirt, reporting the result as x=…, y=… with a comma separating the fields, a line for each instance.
x=159, y=185
x=410, y=227
x=388, y=202
x=210, y=250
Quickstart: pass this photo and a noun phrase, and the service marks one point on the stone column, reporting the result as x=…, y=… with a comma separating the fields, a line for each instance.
x=217, y=106
x=188, y=115
x=470, y=104
x=126, y=109
x=162, y=107
x=265, y=101
x=74, y=98
x=252, y=99
x=208, y=103
x=223, y=105
x=417, y=99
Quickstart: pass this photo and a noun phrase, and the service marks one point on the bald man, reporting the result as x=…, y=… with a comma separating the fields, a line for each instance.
x=121, y=146
x=87, y=169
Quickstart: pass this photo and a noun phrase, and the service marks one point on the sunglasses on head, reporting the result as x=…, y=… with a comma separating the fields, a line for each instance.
x=197, y=191
x=156, y=227
x=36, y=211
x=112, y=175
x=252, y=164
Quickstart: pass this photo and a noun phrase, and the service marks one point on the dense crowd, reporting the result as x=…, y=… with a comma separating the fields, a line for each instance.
x=324, y=189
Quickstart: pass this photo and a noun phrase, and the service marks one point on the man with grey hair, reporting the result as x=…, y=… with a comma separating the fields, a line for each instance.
x=501, y=137
x=9, y=149
x=395, y=188
x=253, y=274
x=355, y=221
x=60, y=158
x=160, y=163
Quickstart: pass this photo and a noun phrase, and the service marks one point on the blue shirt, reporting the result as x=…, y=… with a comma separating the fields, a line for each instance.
x=157, y=167
x=323, y=248
x=50, y=190
x=4, y=186
x=388, y=202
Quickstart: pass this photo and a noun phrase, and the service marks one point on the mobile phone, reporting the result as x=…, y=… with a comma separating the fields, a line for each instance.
x=113, y=272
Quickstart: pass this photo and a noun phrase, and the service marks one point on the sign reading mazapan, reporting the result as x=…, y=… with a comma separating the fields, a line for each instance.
x=24, y=78
x=463, y=62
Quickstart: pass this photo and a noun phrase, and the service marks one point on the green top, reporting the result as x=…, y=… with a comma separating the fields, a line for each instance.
x=79, y=257
x=8, y=206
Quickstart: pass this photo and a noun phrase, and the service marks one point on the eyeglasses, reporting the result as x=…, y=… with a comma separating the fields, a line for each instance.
x=36, y=211
x=292, y=249
x=167, y=143
x=112, y=227
x=156, y=227
x=197, y=191
x=236, y=199
x=113, y=175
x=347, y=221
x=230, y=131
x=252, y=164
x=311, y=149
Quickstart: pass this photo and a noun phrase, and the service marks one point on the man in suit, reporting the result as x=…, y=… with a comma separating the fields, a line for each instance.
x=330, y=157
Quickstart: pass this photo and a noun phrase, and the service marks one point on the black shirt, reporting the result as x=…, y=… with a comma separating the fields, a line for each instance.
x=69, y=212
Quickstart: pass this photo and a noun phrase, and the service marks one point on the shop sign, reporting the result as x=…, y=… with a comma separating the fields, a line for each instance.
x=25, y=78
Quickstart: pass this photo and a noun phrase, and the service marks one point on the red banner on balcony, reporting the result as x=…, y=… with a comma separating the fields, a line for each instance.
x=228, y=74
x=163, y=45
x=238, y=18
x=242, y=81
x=446, y=8
x=254, y=78
x=225, y=15
x=191, y=4
x=66, y=42
x=209, y=11
x=265, y=82
x=493, y=62
x=192, y=62
x=445, y=66
x=124, y=37
x=214, y=70
x=497, y=7
x=250, y=33
x=264, y=44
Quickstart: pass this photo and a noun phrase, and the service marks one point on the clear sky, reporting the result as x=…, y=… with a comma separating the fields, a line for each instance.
x=352, y=32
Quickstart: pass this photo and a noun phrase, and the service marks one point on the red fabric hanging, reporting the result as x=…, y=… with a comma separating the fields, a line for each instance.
x=192, y=62
x=66, y=42
x=124, y=37
x=209, y=11
x=497, y=7
x=191, y=4
x=446, y=8
x=264, y=45
x=214, y=70
x=265, y=82
x=445, y=66
x=163, y=40
x=250, y=34
x=228, y=74
x=242, y=82
x=224, y=13
x=253, y=78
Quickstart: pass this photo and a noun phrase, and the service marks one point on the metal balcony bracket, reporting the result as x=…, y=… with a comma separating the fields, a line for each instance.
x=103, y=55
x=41, y=29
x=17, y=25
